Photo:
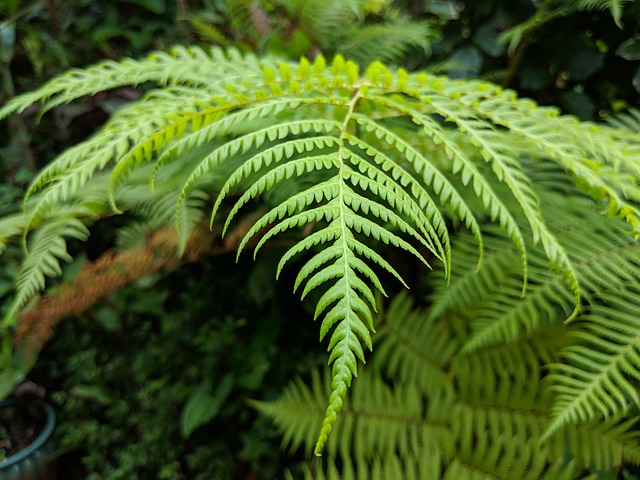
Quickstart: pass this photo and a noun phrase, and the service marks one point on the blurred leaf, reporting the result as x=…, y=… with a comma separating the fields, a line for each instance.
x=636, y=80
x=295, y=46
x=486, y=37
x=253, y=379
x=150, y=302
x=445, y=9
x=582, y=64
x=532, y=77
x=579, y=104
x=23, y=175
x=32, y=44
x=155, y=6
x=374, y=6
x=72, y=269
x=202, y=406
x=207, y=31
x=7, y=41
x=467, y=61
x=261, y=285
x=630, y=49
x=97, y=393
x=9, y=378
x=6, y=286
x=9, y=7
x=109, y=319
x=610, y=475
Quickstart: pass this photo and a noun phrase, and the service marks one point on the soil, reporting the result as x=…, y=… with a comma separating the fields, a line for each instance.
x=20, y=425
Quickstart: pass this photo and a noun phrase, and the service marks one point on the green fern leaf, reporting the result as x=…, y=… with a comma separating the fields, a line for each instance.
x=470, y=174
x=615, y=7
x=419, y=203
x=10, y=226
x=629, y=120
x=604, y=258
x=597, y=376
x=182, y=65
x=431, y=176
x=401, y=351
x=252, y=140
x=502, y=159
x=569, y=151
x=296, y=167
x=47, y=247
x=469, y=284
x=382, y=157
x=282, y=151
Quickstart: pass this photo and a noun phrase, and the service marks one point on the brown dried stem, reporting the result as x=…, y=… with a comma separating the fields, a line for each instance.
x=110, y=272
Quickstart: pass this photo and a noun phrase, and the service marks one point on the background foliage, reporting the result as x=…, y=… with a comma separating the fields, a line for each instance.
x=127, y=371
x=585, y=62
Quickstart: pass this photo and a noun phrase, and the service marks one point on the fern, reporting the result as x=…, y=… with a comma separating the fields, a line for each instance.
x=615, y=7
x=627, y=120
x=472, y=410
x=598, y=376
x=487, y=426
x=552, y=9
x=46, y=249
x=10, y=226
x=351, y=28
x=376, y=157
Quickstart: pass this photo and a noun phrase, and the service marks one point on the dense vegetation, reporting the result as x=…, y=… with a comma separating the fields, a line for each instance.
x=166, y=350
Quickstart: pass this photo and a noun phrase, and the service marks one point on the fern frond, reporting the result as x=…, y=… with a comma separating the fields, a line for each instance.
x=281, y=151
x=555, y=9
x=375, y=420
x=615, y=7
x=598, y=376
x=125, y=133
x=560, y=470
x=405, y=356
x=629, y=120
x=390, y=467
x=325, y=20
x=468, y=284
x=181, y=66
x=507, y=314
x=389, y=41
x=501, y=156
x=487, y=422
x=583, y=158
x=255, y=140
x=603, y=444
x=47, y=247
x=417, y=201
x=298, y=411
x=427, y=467
x=347, y=142
x=431, y=176
x=10, y=227
x=294, y=168
x=349, y=331
x=604, y=258
x=400, y=202
x=469, y=174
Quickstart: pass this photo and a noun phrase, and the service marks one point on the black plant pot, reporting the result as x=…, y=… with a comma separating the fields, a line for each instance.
x=33, y=462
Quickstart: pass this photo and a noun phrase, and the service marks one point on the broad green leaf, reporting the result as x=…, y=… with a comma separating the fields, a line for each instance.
x=204, y=405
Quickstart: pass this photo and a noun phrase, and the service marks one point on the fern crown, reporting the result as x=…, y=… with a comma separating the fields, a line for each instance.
x=392, y=157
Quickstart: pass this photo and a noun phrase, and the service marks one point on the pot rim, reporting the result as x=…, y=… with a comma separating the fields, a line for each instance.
x=39, y=441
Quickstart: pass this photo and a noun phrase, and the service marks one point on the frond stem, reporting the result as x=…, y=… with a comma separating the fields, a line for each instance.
x=341, y=380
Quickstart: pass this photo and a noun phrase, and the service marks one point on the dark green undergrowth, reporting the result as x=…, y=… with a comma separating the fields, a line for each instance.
x=121, y=375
